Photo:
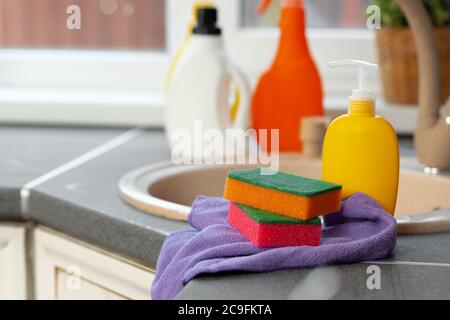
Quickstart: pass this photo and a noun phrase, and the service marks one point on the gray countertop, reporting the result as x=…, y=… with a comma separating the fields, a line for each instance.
x=419, y=268
x=72, y=173
x=83, y=201
x=29, y=152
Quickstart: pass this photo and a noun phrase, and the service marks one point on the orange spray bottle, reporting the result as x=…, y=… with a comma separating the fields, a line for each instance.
x=291, y=89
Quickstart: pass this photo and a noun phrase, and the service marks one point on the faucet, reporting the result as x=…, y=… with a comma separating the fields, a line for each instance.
x=432, y=135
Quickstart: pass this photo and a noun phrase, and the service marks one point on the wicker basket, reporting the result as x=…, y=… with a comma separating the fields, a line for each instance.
x=398, y=64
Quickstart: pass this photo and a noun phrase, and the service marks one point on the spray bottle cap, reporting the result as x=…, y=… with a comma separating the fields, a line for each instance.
x=363, y=93
x=264, y=4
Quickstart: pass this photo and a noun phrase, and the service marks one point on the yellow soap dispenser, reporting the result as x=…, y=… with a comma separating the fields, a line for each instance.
x=360, y=149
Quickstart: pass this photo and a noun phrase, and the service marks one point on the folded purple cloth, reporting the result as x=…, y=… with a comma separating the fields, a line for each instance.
x=361, y=231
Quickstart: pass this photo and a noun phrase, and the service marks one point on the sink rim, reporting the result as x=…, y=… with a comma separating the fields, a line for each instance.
x=134, y=185
x=133, y=188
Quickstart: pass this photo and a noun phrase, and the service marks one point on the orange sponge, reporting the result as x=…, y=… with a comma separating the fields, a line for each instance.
x=286, y=194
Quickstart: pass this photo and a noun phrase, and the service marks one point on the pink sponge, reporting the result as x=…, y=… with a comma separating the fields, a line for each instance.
x=266, y=229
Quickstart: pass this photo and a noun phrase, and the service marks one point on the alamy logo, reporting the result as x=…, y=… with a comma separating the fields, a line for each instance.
x=73, y=21
x=374, y=280
x=373, y=17
x=230, y=146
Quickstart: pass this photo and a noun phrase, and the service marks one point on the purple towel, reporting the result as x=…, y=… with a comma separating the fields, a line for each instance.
x=361, y=231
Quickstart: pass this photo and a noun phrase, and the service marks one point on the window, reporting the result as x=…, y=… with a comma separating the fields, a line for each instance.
x=104, y=24
x=109, y=71
x=112, y=70
x=320, y=14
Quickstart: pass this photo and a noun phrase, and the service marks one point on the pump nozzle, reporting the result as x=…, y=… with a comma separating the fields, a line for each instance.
x=264, y=4
x=363, y=92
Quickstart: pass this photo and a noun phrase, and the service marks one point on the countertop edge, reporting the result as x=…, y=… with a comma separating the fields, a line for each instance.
x=96, y=228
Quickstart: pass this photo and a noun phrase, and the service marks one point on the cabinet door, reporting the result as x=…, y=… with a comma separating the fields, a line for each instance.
x=12, y=262
x=68, y=269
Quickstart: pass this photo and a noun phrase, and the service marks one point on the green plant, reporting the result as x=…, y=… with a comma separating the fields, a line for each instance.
x=392, y=15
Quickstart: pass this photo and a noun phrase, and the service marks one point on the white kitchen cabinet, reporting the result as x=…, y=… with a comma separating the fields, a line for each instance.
x=66, y=268
x=13, y=284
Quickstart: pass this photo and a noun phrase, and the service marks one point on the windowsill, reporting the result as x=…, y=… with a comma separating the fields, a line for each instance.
x=131, y=108
x=81, y=107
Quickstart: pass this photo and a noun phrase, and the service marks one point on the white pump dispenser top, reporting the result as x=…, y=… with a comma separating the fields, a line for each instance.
x=363, y=93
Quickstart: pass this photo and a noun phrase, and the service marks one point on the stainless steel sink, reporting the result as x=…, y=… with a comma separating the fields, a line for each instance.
x=163, y=189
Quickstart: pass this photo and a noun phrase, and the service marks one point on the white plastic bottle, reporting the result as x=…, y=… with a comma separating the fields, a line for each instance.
x=200, y=88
